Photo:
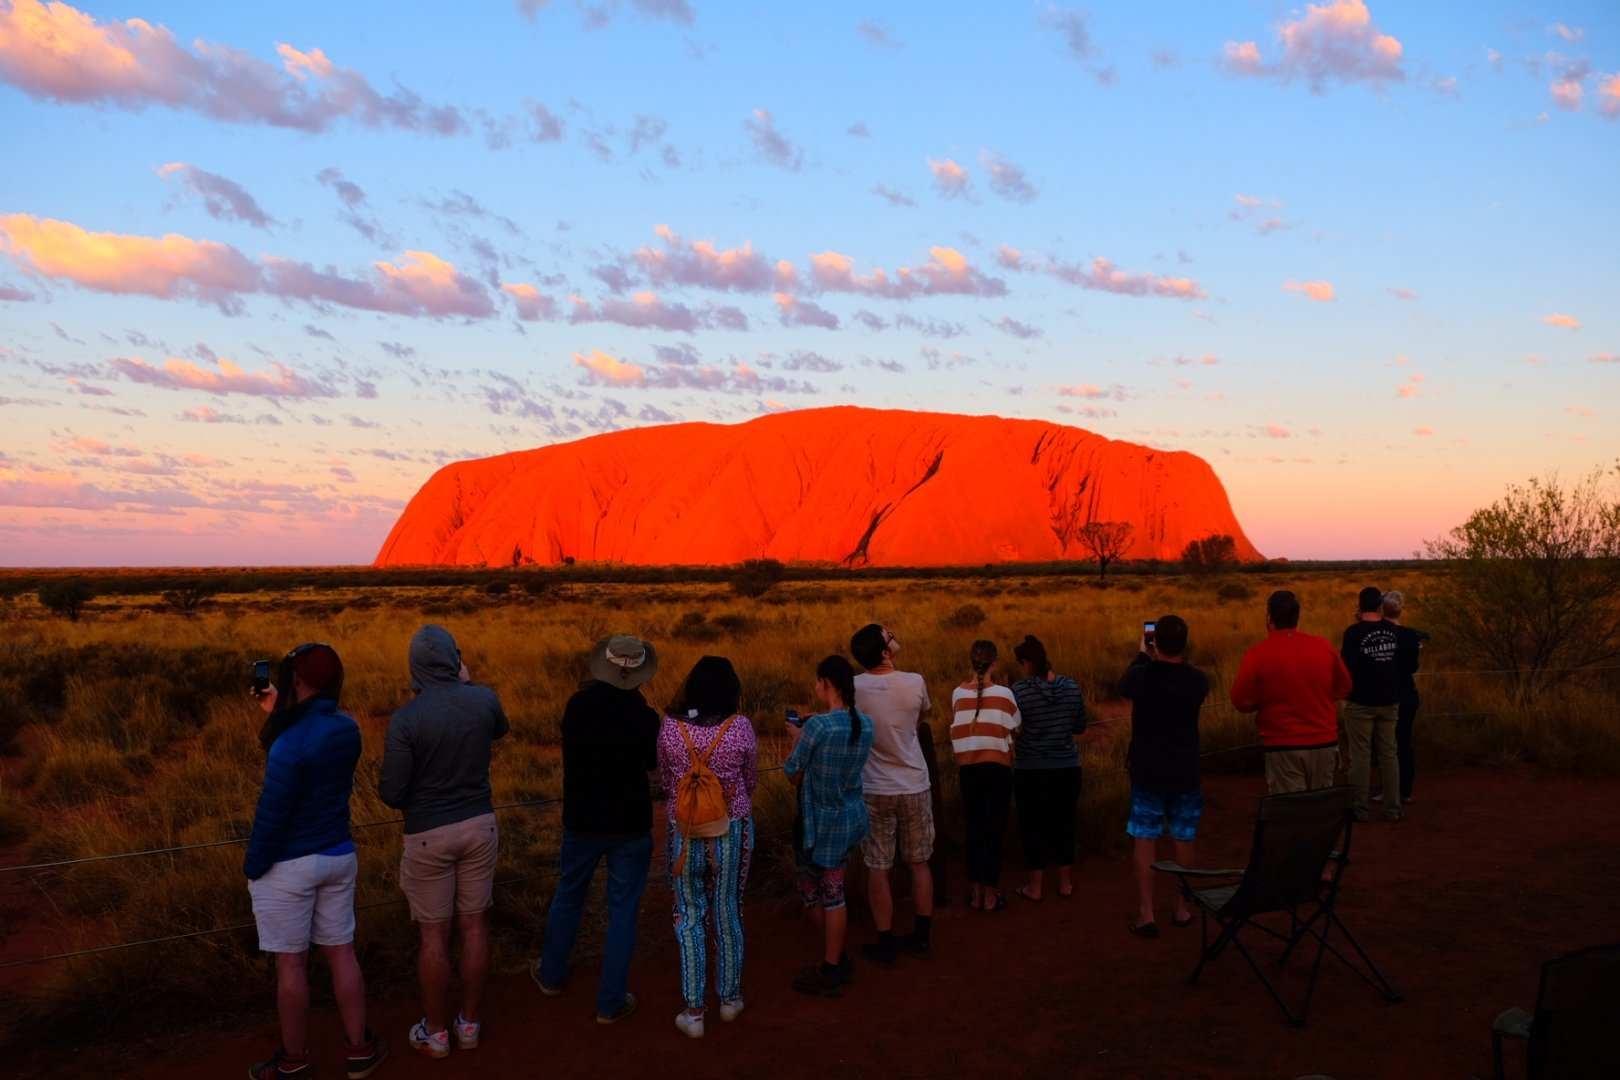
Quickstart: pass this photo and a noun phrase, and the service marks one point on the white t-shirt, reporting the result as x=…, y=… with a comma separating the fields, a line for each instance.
x=893, y=701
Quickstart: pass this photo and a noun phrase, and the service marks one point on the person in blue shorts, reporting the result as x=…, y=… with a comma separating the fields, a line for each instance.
x=1166, y=694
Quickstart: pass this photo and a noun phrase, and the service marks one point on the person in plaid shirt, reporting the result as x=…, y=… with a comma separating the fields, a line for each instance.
x=829, y=752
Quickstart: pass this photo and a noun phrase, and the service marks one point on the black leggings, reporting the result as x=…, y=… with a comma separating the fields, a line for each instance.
x=1047, y=799
x=986, y=794
x=1403, y=741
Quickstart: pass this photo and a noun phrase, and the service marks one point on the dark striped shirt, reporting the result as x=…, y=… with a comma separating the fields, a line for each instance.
x=1053, y=712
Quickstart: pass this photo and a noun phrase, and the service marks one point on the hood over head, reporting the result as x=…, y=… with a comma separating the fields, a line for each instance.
x=435, y=659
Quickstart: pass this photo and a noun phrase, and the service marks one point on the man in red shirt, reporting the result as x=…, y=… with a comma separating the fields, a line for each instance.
x=1294, y=681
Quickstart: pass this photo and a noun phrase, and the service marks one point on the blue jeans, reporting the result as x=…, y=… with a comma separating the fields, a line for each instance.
x=627, y=861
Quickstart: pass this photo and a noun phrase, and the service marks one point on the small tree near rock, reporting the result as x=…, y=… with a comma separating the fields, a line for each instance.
x=1106, y=540
x=1209, y=555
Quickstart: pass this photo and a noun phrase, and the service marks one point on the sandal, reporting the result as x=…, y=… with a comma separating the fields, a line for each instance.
x=1178, y=921
x=1022, y=891
x=999, y=905
x=1146, y=930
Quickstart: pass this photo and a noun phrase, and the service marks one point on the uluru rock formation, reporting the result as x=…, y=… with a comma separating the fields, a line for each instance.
x=837, y=485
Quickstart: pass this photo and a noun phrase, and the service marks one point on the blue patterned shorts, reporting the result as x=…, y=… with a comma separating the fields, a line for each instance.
x=1151, y=810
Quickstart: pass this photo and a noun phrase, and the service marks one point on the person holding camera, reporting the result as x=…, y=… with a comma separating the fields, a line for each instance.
x=301, y=862
x=436, y=769
x=609, y=748
x=708, y=763
x=830, y=754
x=1166, y=694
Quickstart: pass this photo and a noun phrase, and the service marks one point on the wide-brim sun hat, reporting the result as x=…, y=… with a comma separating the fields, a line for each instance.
x=624, y=661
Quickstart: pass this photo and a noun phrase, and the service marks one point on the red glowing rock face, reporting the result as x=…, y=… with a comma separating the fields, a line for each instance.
x=839, y=485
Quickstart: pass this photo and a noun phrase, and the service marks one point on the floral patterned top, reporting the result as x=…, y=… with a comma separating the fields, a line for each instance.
x=735, y=761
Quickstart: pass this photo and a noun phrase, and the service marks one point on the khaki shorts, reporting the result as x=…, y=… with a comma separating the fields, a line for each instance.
x=906, y=818
x=304, y=900
x=1301, y=770
x=450, y=870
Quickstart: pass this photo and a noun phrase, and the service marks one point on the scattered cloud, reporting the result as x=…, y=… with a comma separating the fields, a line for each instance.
x=1276, y=431
x=397, y=349
x=1089, y=412
x=807, y=360
x=771, y=145
x=225, y=377
x=1320, y=291
x=947, y=272
x=929, y=327
x=1567, y=93
x=1579, y=410
x=950, y=179
x=858, y=130
x=1093, y=391
x=703, y=264
x=222, y=198
x=544, y=125
x=1007, y=179
x=1022, y=330
x=796, y=312
x=1334, y=41
x=643, y=310
x=355, y=213
x=14, y=294
x=532, y=305
x=58, y=53
x=1204, y=361
x=1604, y=358
x=1400, y=293
x=609, y=370
x=1412, y=387
x=893, y=197
x=1570, y=34
x=596, y=16
x=1609, y=96
x=1101, y=275
x=176, y=267
x=1559, y=319
x=876, y=34
x=1423, y=432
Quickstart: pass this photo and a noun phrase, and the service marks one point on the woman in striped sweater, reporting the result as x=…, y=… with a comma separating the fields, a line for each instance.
x=985, y=719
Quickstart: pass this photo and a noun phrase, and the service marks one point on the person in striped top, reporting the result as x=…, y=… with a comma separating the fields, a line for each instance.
x=984, y=722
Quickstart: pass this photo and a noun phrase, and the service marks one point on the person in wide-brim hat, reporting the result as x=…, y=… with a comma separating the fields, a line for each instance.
x=624, y=661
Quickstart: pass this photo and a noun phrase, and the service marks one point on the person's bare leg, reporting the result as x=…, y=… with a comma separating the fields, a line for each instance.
x=1185, y=854
x=433, y=973
x=837, y=924
x=474, y=962
x=881, y=899
x=1034, y=880
x=349, y=987
x=292, y=1001
x=922, y=890
x=1065, y=876
x=1143, y=852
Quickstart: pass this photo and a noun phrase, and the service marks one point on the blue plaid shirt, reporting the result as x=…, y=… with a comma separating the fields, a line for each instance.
x=830, y=794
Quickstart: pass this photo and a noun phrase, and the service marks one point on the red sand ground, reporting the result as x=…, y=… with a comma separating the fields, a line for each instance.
x=836, y=485
x=1492, y=873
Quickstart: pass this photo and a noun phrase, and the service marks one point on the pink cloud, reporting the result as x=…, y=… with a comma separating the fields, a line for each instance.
x=1566, y=93
x=609, y=370
x=947, y=272
x=644, y=310
x=1423, y=432
x=1102, y=275
x=222, y=198
x=703, y=264
x=1570, y=34
x=225, y=378
x=175, y=266
x=14, y=294
x=1559, y=319
x=59, y=53
x=87, y=445
x=1205, y=360
x=950, y=179
x=1609, y=96
x=1604, y=358
x=1276, y=431
x=531, y=304
x=1579, y=410
x=1401, y=294
x=771, y=144
x=1412, y=387
x=796, y=312
x=1320, y=291
x=1010, y=257
x=1093, y=391
x=1090, y=412
x=1332, y=41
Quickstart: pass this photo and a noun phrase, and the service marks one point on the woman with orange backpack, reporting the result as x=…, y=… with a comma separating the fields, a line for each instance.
x=708, y=762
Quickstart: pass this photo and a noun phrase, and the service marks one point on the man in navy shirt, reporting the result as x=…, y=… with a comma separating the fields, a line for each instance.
x=1370, y=650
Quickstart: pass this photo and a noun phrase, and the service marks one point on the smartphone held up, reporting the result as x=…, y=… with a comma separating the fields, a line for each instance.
x=261, y=678
x=1149, y=630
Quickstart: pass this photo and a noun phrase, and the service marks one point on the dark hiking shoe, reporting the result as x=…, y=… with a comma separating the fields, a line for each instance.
x=817, y=981
x=281, y=1064
x=363, y=1060
x=621, y=1012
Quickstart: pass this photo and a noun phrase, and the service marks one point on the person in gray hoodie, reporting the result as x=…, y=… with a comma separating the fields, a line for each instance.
x=436, y=769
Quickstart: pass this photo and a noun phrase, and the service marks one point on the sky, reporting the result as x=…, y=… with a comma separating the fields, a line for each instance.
x=264, y=268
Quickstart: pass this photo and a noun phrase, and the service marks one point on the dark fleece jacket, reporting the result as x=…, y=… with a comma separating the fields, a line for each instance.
x=436, y=762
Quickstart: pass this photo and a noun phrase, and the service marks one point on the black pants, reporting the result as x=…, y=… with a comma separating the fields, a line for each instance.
x=1047, y=799
x=1403, y=741
x=986, y=795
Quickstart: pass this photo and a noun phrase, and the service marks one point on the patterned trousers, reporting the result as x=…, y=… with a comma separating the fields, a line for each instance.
x=708, y=898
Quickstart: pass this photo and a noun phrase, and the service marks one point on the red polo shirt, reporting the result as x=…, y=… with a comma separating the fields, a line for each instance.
x=1294, y=681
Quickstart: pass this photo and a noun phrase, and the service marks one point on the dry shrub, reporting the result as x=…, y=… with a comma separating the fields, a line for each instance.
x=966, y=617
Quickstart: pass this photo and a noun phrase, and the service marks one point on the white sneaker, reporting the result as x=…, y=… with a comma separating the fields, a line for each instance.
x=434, y=1044
x=691, y=1026
x=467, y=1033
x=730, y=1010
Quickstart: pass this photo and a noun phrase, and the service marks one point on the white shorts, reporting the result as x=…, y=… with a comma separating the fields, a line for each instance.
x=304, y=900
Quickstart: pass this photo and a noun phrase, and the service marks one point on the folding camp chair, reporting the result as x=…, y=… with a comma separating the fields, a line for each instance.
x=1575, y=1030
x=1301, y=848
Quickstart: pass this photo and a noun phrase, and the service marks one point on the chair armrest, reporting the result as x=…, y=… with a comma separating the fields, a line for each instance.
x=1514, y=1022
x=1170, y=866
